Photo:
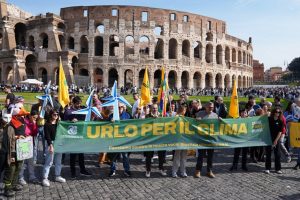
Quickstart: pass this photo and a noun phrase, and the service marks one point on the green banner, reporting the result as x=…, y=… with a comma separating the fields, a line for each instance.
x=168, y=133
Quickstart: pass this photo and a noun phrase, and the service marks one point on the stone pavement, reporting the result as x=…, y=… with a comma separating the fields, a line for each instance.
x=238, y=185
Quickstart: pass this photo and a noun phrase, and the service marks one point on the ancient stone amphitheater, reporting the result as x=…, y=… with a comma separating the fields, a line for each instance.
x=100, y=44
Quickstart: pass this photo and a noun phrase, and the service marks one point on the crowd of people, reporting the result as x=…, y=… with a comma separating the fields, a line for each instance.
x=17, y=123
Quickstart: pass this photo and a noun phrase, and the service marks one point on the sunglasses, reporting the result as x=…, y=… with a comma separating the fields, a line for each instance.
x=278, y=112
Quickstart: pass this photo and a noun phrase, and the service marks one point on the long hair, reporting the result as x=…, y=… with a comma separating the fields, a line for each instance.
x=51, y=112
x=274, y=111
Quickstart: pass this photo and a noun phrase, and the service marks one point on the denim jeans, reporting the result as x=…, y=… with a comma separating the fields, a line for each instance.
x=50, y=157
x=30, y=166
x=125, y=158
x=36, y=143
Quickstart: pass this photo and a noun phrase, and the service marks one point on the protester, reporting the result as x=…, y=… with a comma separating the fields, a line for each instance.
x=220, y=107
x=10, y=97
x=276, y=127
x=114, y=156
x=205, y=114
x=180, y=156
x=50, y=133
x=149, y=154
x=31, y=130
x=237, y=151
x=136, y=103
x=69, y=116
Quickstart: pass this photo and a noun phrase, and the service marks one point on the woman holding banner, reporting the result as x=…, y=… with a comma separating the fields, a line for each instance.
x=50, y=133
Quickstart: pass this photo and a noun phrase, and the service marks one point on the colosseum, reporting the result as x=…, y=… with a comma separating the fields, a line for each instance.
x=100, y=44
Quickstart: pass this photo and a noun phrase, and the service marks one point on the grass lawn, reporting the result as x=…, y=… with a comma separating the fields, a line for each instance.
x=30, y=98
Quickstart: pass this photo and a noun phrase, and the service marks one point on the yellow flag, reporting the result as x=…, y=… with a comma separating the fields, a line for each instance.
x=234, y=102
x=145, y=90
x=294, y=134
x=63, y=90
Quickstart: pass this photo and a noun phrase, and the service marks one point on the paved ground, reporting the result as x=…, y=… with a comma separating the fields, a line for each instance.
x=239, y=185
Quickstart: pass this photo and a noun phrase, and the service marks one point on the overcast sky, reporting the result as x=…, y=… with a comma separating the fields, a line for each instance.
x=274, y=25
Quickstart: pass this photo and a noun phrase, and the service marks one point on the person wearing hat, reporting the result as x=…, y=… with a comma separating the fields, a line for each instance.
x=114, y=156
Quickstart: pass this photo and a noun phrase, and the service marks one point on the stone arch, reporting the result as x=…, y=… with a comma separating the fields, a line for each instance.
x=185, y=79
x=172, y=48
x=158, y=30
x=141, y=77
x=227, y=81
x=157, y=78
x=198, y=50
x=74, y=65
x=84, y=44
x=233, y=56
x=9, y=75
x=100, y=29
x=227, y=54
x=71, y=43
x=240, y=82
x=44, y=40
x=219, y=54
x=113, y=45
x=208, y=80
x=197, y=80
x=159, y=49
x=172, y=78
x=61, y=39
x=128, y=78
x=43, y=75
x=98, y=77
x=209, y=36
x=20, y=34
x=98, y=42
x=185, y=48
x=244, y=57
x=61, y=26
x=31, y=43
x=218, y=81
x=112, y=77
x=30, y=65
x=244, y=82
x=83, y=72
x=209, y=53
x=240, y=57
x=144, y=45
x=129, y=45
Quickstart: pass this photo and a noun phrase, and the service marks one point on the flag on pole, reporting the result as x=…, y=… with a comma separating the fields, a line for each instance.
x=145, y=90
x=63, y=90
x=163, y=93
x=234, y=102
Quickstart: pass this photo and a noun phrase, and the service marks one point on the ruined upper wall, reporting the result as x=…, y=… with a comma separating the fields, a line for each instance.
x=16, y=12
x=134, y=13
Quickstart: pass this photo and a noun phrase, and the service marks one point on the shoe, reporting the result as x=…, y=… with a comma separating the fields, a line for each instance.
x=244, y=168
x=163, y=173
x=144, y=159
x=148, y=174
x=296, y=167
x=73, y=176
x=112, y=173
x=60, y=179
x=184, y=175
x=22, y=181
x=254, y=160
x=289, y=159
x=210, y=174
x=18, y=187
x=174, y=175
x=9, y=193
x=85, y=173
x=267, y=171
x=197, y=174
x=34, y=180
x=279, y=172
x=127, y=174
x=152, y=160
x=46, y=183
x=233, y=167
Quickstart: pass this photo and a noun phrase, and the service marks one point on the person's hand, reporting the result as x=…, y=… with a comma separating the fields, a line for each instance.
x=74, y=120
x=219, y=118
x=274, y=143
x=50, y=148
x=112, y=121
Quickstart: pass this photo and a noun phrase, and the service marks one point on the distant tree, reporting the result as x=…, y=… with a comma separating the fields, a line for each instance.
x=294, y=67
